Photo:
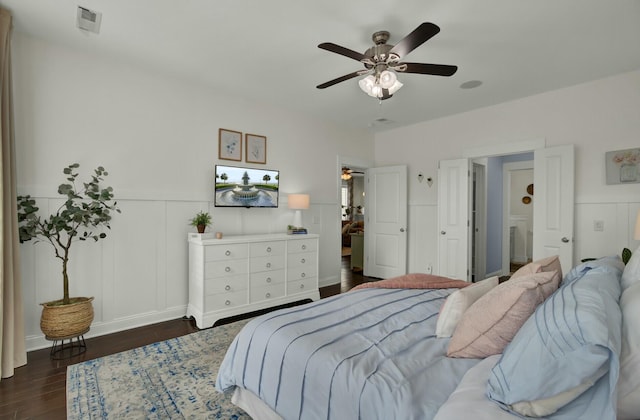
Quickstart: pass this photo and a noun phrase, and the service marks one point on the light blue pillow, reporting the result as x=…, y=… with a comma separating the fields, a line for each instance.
x=565, y=358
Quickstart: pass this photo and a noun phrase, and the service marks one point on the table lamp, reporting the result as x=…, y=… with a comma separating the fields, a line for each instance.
x=298, y=202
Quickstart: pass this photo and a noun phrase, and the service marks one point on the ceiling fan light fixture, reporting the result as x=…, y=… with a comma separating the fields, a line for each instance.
x=375, y=88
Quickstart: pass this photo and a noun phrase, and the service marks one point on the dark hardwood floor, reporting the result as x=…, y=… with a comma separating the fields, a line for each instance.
x=38, y=390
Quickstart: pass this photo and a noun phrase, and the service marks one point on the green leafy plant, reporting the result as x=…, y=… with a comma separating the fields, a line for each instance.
x=626, y=255
x=201, y=219
x=87, y=209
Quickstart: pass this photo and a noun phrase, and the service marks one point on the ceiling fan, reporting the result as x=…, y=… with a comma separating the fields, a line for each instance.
x=383, y=60
x=347, y=173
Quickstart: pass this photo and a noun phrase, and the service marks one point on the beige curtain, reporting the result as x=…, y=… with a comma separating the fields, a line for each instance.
x=12, y=344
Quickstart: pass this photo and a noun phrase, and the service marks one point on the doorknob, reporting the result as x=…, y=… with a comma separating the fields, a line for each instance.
x=401, y=229
x=442, y=232
x=564, y=239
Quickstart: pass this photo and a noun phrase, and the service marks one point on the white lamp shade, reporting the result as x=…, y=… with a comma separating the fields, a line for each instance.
x=298, y=201
x=636, y=234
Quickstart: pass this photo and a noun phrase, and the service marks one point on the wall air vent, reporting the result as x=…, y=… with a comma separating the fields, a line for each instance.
x=89, y=20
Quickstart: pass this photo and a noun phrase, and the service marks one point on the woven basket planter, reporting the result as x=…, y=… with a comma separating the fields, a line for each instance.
x=65, y=321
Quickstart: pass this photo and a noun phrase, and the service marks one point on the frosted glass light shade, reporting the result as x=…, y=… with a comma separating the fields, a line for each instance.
x=395, y=87
x=387, y=79
x=367, y=84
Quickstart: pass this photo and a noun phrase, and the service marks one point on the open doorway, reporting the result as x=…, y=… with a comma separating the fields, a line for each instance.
x=501, y=214
x=352, y=223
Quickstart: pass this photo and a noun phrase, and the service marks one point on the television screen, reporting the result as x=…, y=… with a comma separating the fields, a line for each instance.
x=246, y=187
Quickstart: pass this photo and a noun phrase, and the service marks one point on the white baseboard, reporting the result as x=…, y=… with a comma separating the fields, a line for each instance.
x=36, y=342
x=328, y=281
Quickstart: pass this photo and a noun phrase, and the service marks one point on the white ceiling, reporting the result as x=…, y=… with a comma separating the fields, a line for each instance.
x=267, y=50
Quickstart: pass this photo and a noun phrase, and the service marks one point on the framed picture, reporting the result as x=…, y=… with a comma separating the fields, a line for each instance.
x=256, y=148
x=622, y=166
x=229, y=144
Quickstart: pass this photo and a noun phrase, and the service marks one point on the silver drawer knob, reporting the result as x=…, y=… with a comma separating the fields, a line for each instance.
x=302, y=286
x=227, y=269
x=268, y=265
x=227, y=288
x=227, y=253
x=303, y=275
x=268, y=279
x=268, y=249
x=268, y=295
x=227, y=302
x=303, y=261
x=304, y=247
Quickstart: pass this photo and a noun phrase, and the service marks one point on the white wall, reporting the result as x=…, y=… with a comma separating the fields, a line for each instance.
x=597, y=117
x=158, y=137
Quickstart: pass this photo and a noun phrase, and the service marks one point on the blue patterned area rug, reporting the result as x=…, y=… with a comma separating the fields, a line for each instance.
x=172, y=379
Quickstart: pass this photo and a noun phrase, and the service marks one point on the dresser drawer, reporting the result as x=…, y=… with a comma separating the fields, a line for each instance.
x=301, y=273
x=266, y=278
x=301, y=245
x=301, y=286
x=303, y=259
x=225, y=284
x=266, y=292
x=263, y=249
x=267, y=263
x=225, y=252
x=224, y=268
x=225, y=300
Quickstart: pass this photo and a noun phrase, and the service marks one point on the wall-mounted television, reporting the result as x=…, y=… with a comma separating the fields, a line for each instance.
x=246, y=187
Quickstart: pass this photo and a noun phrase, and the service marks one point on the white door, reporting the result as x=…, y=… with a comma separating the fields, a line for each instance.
x=553, y=181
x=386, y=225
x=453, y=218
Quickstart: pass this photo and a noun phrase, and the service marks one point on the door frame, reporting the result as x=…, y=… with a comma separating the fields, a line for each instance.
x=507, y=169
x=516, y=147
x=341, y=161
x=479, y=220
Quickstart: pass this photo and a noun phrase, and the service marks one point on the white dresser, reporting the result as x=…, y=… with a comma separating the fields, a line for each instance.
x=239, y=274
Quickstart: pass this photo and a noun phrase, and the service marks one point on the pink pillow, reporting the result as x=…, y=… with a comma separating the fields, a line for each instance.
x=551, y=263
x=458, y=302
x=493, y=320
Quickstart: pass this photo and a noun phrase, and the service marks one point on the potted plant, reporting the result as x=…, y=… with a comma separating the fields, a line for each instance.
x=201, y=221
x=87, y=208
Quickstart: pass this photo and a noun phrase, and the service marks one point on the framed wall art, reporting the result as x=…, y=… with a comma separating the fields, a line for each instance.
x=622, y=166
x=229, y=144
x=256, y=148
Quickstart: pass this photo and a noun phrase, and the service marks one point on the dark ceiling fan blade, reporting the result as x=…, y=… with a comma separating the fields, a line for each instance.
x=329, y=46
x=416, y=38
x=424, y=68
x=338, y=80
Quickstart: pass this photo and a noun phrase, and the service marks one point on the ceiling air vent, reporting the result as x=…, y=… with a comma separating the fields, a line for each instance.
x=89, y=20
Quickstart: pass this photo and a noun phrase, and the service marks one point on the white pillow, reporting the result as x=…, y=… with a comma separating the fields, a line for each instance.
x=458, y=302
x=631, y=273
x=629, y=380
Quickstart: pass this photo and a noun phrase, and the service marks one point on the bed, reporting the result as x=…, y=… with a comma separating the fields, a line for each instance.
x=379, y=352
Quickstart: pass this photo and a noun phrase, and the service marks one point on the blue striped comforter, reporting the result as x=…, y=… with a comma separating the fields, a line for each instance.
x=367, y=354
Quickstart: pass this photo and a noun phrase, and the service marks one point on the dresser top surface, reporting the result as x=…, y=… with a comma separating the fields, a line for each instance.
x=210, y=239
